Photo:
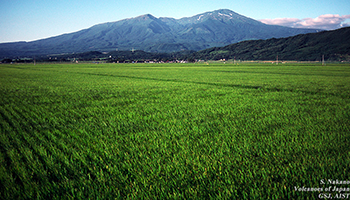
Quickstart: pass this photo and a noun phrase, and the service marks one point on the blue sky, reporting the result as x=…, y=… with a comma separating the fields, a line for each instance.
x=28, y=20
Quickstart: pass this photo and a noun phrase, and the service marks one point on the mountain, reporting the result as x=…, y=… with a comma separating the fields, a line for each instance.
x=148, y=33
x=334, y=45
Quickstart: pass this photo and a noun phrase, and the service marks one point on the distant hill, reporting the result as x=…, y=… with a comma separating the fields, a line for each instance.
x=151, y=34
x=334, y=45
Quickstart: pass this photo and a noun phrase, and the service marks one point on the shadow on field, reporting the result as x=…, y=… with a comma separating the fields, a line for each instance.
x=222, y=85
x=181, y=81
x=293, y=74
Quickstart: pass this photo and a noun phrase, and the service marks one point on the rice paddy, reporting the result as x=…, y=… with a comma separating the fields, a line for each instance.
x=174, y=131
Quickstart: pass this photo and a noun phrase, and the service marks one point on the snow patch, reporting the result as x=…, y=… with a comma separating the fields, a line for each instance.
x=200, y=17
x=225, y=15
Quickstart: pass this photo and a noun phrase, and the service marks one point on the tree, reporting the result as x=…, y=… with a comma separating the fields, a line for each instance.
x=191, y=59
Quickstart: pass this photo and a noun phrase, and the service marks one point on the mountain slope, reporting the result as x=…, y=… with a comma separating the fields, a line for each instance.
x=148, y=33
x=334, y=45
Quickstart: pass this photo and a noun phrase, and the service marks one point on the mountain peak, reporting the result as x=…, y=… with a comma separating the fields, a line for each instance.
x=225, y=11
x=146, y=16
x=221, y=15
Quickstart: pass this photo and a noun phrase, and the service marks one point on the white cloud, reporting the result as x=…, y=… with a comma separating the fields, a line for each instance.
x=281, y=21
x=345, y=24
x=327, y=22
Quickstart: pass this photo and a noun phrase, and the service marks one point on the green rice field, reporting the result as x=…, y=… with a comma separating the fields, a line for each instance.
x=174, y=131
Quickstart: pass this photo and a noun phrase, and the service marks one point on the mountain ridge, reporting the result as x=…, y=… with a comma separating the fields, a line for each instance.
x=331, y=45
x=334, y=45
x=148, y=33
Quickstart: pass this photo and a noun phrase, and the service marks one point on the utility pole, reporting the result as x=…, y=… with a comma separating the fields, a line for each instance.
x=277, y=59
x=322, y=60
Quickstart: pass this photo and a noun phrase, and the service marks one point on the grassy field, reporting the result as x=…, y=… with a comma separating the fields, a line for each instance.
x=248, y=131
